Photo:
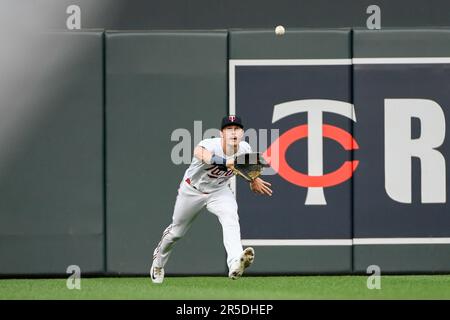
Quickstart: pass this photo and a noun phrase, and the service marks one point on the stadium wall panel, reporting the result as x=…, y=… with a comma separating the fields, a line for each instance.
x=401, y=212
x=158, y=82
x=266, y=71
x=51, y=154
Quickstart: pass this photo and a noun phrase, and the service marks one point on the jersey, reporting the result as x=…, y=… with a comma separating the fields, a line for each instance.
x=208, y=178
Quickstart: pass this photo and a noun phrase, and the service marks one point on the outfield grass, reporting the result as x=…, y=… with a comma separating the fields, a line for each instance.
x=183, y=288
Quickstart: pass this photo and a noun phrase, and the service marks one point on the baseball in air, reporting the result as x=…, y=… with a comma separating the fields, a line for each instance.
x=279, y=30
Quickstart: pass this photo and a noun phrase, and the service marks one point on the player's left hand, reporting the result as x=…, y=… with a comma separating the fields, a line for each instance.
x=260, y=186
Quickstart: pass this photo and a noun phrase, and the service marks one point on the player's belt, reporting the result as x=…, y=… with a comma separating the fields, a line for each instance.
x=188, y=181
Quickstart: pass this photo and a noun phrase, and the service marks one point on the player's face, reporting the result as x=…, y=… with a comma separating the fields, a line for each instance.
x=232, y=135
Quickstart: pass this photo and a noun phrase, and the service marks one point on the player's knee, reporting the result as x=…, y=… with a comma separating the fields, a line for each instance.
x=176, y=234
x=230, y=218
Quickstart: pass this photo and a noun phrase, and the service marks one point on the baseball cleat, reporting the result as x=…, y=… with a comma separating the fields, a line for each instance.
x=245, y=260
x=157, y=274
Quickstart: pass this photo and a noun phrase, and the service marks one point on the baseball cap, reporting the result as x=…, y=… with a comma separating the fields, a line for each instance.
x=230, y=121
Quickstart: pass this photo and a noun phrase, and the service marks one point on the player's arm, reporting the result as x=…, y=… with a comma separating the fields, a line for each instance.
x=208, y=157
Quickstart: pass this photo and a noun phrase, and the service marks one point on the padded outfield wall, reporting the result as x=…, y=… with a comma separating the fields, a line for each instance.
x=88, y=176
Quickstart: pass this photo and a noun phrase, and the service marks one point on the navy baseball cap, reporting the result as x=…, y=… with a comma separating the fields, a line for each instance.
x=231, y=121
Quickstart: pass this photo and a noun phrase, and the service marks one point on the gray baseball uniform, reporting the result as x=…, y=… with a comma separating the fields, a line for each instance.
x=204, y=185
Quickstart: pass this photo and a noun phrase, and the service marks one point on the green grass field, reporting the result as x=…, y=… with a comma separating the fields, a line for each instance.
x=211, y=288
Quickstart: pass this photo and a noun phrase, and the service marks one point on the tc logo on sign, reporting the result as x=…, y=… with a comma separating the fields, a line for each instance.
x=315, y=130
x=400, y=148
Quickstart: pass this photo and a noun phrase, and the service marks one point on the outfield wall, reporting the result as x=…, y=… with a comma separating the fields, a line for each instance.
x=157, y=82
x=91, y=127
x=51, y=176
x=267, y=71
x=398, y=198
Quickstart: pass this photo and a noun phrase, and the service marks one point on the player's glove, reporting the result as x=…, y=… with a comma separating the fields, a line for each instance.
x=249, y=165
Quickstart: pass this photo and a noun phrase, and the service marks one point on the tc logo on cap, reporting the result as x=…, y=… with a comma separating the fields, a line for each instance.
x=232, y=118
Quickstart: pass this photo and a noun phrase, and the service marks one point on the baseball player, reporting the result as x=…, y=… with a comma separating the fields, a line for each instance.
x=206, y=184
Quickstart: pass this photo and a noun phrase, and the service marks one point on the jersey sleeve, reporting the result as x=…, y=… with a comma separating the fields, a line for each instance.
x=246, y=146
x=207, y=144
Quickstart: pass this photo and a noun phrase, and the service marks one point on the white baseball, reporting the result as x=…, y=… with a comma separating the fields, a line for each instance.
x=279, y=30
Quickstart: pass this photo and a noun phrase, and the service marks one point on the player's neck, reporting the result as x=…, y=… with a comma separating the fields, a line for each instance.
x=228, y=149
